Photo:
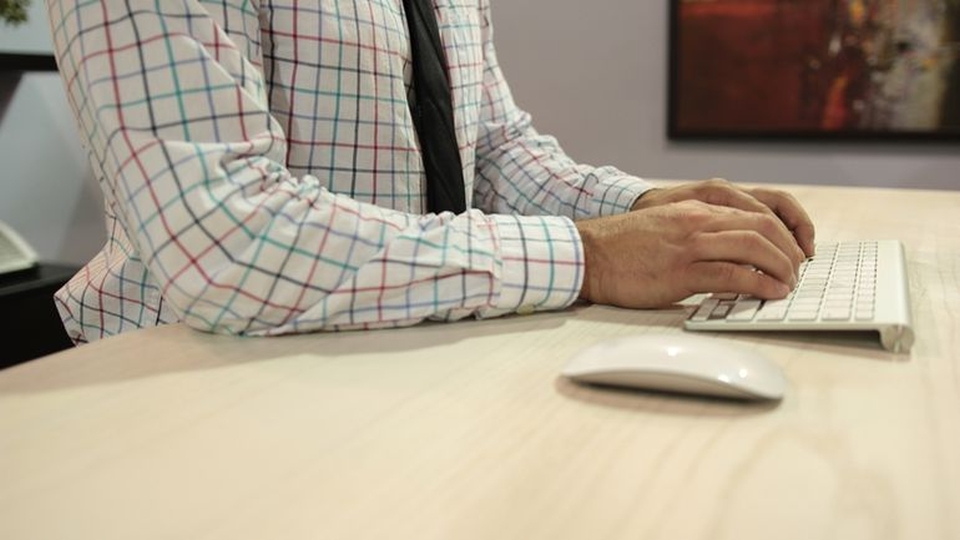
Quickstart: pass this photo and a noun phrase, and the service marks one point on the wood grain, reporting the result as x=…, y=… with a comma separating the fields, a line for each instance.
x=466, y=430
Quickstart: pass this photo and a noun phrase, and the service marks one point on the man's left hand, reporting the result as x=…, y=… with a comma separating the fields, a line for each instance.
x=720, y=192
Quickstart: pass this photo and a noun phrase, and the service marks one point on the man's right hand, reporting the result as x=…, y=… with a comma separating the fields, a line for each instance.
x=660, y=255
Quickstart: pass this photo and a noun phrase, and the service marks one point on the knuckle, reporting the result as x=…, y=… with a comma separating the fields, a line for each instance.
x=754, y=241
x=716, y=191
x=717, y=184
x=717, y=181
x=693, y=214
x=767, y=225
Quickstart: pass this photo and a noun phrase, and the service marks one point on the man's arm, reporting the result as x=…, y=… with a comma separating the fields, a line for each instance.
x=172, y=102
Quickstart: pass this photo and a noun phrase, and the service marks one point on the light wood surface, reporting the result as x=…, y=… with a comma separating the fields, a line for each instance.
x=467, y=431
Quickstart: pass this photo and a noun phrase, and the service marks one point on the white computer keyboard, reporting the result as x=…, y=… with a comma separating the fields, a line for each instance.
x=858, y=285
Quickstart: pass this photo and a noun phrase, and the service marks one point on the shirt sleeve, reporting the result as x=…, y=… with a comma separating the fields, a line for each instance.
x=521, y=171
x=173, y=109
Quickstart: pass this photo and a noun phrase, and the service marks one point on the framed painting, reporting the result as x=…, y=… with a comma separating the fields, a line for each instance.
x=841, y=69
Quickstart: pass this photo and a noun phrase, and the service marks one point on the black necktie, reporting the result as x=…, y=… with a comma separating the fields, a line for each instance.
x=432, y=111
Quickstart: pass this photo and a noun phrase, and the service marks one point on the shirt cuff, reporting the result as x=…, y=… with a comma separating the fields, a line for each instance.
x=615, y=194
x=542, y=264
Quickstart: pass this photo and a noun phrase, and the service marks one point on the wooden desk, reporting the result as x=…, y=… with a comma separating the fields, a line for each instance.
x=466, y=431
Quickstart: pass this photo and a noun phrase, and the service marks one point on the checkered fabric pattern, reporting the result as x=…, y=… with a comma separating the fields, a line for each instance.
x=261, y=173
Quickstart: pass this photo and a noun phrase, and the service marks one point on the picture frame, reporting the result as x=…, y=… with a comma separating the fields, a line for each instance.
x=26, y=45
x=27, y=62
x=814, y=70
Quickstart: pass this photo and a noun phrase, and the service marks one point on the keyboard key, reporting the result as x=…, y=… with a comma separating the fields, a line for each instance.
x=744, y=310
x=705, y=309
x=833, y=313
x=721, y=310
x=806, y=303
x=772, y=314
x=808, y=314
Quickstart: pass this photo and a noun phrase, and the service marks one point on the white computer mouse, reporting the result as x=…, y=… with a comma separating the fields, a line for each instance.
x=679, y=362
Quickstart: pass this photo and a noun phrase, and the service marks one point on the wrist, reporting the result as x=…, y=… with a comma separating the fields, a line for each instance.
x=643, y=200
x=588, y=241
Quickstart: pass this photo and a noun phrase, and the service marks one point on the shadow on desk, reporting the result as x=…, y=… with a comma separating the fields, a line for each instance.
x=176, y=348
x=660, y=402
x=543, y=341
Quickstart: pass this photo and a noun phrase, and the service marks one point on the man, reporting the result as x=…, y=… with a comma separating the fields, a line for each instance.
x=263, y=174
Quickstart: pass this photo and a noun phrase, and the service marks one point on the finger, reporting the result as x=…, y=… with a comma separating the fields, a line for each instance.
x=770, y=227
x=778, y=203
x=792, y=214
x=747, y=248
x=727, y=277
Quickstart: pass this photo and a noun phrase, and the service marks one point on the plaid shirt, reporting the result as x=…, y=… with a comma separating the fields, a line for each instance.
x=261, y=173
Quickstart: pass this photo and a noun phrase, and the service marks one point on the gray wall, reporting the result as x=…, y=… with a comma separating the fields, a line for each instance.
x=593, y=74
x=46, y=190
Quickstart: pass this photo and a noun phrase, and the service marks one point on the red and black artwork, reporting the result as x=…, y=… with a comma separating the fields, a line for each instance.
x=815, y=68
